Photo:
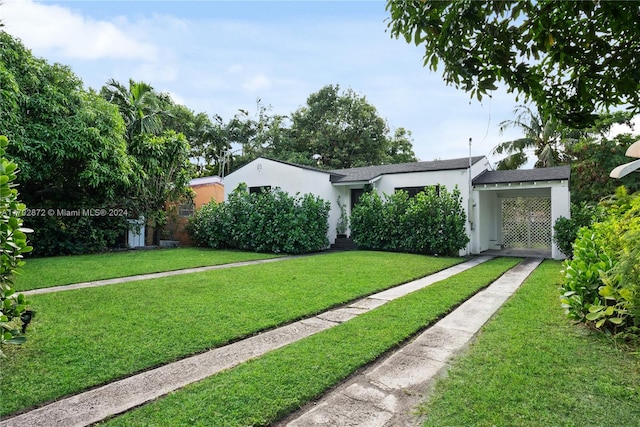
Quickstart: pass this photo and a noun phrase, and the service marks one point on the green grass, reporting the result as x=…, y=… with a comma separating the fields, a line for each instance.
x=266, y=389
x=86, y=337
x=531, y=367
x=56, y=271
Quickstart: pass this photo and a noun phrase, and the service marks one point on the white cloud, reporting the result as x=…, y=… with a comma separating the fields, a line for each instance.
x=45, y=27
x=155, y=73
x=256, y=82
x=177, y=99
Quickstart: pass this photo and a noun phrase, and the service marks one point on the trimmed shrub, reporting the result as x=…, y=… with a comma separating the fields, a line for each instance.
x=271, y=221
x=432, y=222
x=566, y=229
x=369, y=228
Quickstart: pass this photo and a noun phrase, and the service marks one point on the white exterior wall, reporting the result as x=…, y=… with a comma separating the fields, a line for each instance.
x=447, y=178
x=482, y=206
x=291, y=179
x=488, y=217
x=489, y=214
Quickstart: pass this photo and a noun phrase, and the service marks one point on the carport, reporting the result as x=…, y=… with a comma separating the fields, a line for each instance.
x=514, y=211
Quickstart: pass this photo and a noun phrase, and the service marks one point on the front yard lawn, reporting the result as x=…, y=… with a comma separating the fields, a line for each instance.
x=85, y=337
x=531, y=366
x=264, y=390
x=64, y=270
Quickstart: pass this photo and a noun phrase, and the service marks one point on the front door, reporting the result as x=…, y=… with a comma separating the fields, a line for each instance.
x=355, y=196
x=526, y=222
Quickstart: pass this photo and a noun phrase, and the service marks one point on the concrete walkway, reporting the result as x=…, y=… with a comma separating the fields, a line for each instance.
x=387, y=393
x=117, y=280
x=373, y=398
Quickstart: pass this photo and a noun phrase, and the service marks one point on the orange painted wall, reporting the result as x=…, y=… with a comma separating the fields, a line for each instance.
x=204, y=193
x=207, y=192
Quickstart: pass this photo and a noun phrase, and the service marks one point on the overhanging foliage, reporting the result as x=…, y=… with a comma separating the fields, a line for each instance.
x=571, y=59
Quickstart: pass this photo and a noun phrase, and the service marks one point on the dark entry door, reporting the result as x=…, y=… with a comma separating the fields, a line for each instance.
x=355, y=196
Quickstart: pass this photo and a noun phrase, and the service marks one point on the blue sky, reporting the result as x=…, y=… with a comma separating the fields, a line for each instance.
x=221, y=56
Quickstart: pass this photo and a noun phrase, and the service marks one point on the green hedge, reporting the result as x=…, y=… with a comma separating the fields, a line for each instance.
x=271, y=221
x=566, y=229
x=432, y=222
x=14, y=316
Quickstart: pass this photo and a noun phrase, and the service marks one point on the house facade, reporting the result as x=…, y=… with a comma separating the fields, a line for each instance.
x=205, y=190
x=483, y=193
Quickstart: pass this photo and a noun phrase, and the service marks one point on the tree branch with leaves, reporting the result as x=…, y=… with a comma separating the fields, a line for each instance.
x=571, y=59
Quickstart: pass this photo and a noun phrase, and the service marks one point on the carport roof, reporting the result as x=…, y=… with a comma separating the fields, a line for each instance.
x=557, y=173
x=367, y=173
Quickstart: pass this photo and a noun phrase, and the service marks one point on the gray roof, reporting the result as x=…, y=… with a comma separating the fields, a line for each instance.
x=524, y=175
x=367, y=173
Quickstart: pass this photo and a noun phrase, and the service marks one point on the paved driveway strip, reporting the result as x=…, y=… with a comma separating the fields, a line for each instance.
x=386, y=393
x=119, y=396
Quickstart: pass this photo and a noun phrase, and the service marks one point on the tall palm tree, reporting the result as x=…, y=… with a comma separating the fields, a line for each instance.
x=138, y=105
x=545, y=137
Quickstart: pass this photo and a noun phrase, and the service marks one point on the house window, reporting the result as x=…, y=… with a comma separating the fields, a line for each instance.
x=260, y=189
x=186, y=210
x=413, y=191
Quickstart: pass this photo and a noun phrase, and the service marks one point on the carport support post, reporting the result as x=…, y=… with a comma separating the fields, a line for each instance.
x=560, y=206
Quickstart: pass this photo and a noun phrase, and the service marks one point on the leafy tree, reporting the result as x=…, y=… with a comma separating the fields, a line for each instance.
x=163, y=174
x=263, y=134
x=592, y=159
x=571, y=59
x=138, y=104
x=339, y=130
x=547, y=139
x=400, y=147
x=211, y=147
x=207, y=139
x=162, y=168
x=70, y=147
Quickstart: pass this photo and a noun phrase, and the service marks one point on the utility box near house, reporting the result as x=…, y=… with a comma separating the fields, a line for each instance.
x=135, y=236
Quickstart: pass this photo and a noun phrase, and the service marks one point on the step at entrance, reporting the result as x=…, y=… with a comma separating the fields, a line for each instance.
x=344, y=244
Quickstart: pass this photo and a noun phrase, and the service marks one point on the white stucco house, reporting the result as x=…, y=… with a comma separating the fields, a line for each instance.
x=505, y=209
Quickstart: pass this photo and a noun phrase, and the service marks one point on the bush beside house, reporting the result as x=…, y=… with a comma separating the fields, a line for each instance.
x=432, y=222
x=602, y=280
x=14, y=316
x=565, y=230
x=270, y=221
